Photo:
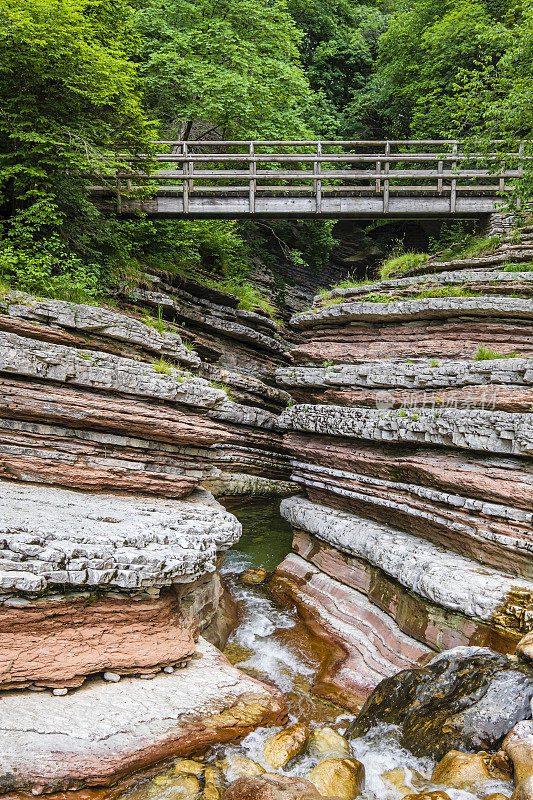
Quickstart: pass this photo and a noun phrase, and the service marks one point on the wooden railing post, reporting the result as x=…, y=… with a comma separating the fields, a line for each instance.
x=378, y=173
x=253, y=179
x=185, y=170
x=439, y=179
x=317, y=182
x=386, y=187
x=453, y=190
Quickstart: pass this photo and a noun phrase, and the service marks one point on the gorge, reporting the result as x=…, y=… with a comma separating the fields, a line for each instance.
x=156, y=609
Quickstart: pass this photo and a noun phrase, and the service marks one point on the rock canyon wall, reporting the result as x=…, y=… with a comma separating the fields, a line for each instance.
x=115, y=433
x=412, y=440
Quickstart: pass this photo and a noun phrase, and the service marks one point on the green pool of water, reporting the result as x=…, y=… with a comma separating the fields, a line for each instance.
x=266, y=537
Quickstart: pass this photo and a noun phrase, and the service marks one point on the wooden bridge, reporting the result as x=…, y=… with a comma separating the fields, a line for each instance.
x=356, y=179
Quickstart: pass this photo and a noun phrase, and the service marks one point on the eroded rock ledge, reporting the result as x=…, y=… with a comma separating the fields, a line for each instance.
x=52, y=537
x=442, y=577
x=105, y=730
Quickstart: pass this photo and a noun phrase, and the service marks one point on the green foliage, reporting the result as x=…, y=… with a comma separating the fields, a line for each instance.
x=513, y=267
x=69, y=97
x=158, y=323
x=472, y=247
x=229, y=66
x=163, y=366
x=487, y=354
x=400, y=263
x=338, y=49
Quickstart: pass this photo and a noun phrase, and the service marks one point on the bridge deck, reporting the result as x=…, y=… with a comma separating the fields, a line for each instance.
x=285, y=179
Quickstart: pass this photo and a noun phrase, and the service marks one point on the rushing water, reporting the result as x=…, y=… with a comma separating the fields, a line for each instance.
x=271, y=644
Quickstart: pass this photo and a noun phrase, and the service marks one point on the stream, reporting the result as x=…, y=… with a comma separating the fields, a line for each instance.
x=271, y=644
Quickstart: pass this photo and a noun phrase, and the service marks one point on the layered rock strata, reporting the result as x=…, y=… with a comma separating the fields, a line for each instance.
x=84, y=403
x=97, y=582
x=107, y=582
x=103, y=731
x=412, y=438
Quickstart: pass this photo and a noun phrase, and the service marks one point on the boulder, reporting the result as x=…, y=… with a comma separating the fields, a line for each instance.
x=524, y=790
x=326, y=741
x=405, y=780
x=518, y=744
x=237, y=766
x=465, y=699
x=212, y=784
x=524, y=648
x=437, y=795
x=253, y=577
x=342, y=777
x=465, y=770
x=272, y=787
x=286, y=744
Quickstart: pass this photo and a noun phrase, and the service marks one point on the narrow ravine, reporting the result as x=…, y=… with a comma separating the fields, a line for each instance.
x=270, y=643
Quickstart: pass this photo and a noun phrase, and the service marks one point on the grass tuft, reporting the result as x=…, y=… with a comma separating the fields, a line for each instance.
x=163, y=366
x=404, y=262
x=487, y=354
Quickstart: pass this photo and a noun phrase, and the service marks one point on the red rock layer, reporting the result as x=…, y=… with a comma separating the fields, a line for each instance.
x=451, y=338
x=87, y=440
x=423, y=620
x=491, y=398
x=365, y=645
x=59, y=642
x=495, y=480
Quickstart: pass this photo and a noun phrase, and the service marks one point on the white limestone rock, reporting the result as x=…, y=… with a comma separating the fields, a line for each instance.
x=489, y=431
x=457, y=276
x=439, y=575
x=97, y=370
x=52, y=537
x=424, y=373
x=427, y=308
x=101, y=321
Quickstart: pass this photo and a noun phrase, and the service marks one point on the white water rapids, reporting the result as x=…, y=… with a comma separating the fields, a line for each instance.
x=276, y=659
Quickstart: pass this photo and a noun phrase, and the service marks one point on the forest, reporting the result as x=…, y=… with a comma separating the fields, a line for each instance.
x=82, y=79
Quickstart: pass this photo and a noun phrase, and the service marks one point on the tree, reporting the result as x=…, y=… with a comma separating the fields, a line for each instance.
x=69, y=96
x=223, y=68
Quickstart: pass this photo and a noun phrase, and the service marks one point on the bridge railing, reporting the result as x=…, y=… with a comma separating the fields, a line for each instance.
x=315, y=169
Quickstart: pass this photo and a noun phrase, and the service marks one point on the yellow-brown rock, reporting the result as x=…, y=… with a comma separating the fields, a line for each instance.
x=518, y=745
x=495, y=796
x=524, y=790
x=184, y=787
x=437, y=795
x=286, y=744
x=326, y=741
x=524, y=648
x=212, y=784
x=187, y=766
x=465, y=770
x=240, y=766
x=405, y=780
x=338, y=777
x=272, y=787
x=253, y=577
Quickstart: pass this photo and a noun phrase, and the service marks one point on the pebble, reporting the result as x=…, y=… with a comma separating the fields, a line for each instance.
x=147, y=676
x=169, y=670
x=112, y=677
x=59, y=692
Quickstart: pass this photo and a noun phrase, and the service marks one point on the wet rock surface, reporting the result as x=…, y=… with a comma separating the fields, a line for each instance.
x=464, y=699
x=106, y=730
x=272, y=787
